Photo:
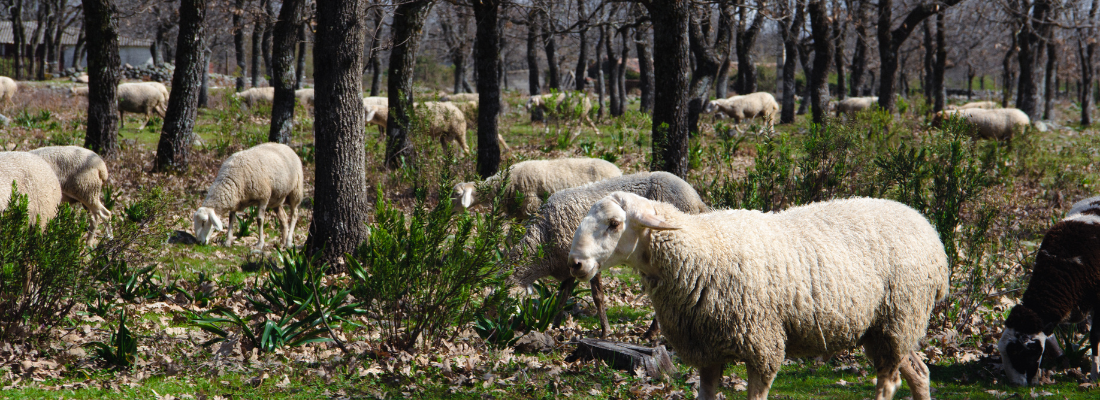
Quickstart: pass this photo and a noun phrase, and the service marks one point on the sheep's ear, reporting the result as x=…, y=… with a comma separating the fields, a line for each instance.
x=652, y=221
x=370, y=115
x=467, y=197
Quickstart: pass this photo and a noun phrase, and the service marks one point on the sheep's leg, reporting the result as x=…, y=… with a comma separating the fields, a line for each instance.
x=916, y=375
x=1094, y=344
x=293, y=221
x=565, y=289
x=260, y=227
x=601, y=305
x=709, y=377
x=229, y=228
x=283, y=225
x=591, y=124
x=761, y=378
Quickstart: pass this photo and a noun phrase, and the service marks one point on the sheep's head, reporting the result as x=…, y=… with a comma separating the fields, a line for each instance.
x=1022, y=345
x=206, y=220
x=610, y=234
x=711, y=107
x=463, y=196
x=534, y=101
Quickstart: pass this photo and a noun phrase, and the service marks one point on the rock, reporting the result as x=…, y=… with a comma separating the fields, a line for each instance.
x=535, y=342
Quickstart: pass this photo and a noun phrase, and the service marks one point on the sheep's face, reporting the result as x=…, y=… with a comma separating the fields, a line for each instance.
x=206, y=221
x=711, y=107
x=612, y=233
x=1021, y=354
x=462, y=197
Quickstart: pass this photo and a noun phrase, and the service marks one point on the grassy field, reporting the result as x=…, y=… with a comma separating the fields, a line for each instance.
x=992, y=202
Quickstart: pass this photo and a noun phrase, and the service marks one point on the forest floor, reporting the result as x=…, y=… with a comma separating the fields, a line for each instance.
x=1039, y=177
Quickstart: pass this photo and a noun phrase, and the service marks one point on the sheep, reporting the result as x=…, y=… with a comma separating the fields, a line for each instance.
x=469, y=109
x=81, y=91
x=560, y=215
x=1064, y=287
x=376, y=100
x=460, y=97
x=1000, y=124
x=538, y=102
x=377, y=115
x=534, y=180
x=304, y=96
x=8, y=87
x=444, y=121
x=268, y=176
x=749, y=106
x=255, y=96
x=82, y=174
x=853, y=105
x=141, y=98
x=743, y=285
x=33, y=177
x=986, y=105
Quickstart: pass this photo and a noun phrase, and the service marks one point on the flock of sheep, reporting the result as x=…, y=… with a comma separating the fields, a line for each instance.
x=726, y=285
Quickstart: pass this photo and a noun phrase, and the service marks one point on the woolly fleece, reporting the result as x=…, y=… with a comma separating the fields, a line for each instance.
x=34, y=177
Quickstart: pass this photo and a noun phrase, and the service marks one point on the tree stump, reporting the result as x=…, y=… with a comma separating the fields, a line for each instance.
x=655, y=361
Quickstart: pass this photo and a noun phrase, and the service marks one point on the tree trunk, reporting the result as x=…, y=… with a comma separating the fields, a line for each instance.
x=487, y=14
x=282, y=59
x=173, y=151
x=303, y=36
x=408, y=27
x=620, y=71
x=804, y=51
x=1008, y=74
x=890, y=40
x=645, y=65
x=238, y=44
x=600, y=85
x=269, y=9
x=823, y=54
x=722, y=81
x=790, y=27
x=52, y=22
x=670, y=124
x=859, y=56
x=840, y=33
x=38, y=56
x=340, y=189
x=104, y=69
x=1031, y=42
x=79, y=47
x=19, y=36
x=257, y=49
x=375, y=59
x=550, y=47
x=204, y=87
x=1050, y=85
x=612, y=77
x=582, y=56
x=929, y=50
x=941, y=64
x=1086, y=54
x=706, y=62
x=746, y=40
x=532, y=54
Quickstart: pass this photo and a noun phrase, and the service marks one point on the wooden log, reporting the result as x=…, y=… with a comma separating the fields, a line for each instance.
x=655, y=361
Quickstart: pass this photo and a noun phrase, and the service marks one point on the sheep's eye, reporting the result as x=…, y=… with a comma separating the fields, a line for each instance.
x=613, y=224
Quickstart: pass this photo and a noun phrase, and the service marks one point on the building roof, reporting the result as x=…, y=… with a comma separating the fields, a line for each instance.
x=68, y=38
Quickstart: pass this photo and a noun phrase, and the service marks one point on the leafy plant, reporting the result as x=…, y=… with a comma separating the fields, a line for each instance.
x=132, y=285
x=121, y=351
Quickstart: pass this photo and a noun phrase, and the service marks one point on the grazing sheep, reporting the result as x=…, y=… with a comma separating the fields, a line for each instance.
x=305, y=97
x=33, y=177
x=534, y=180
x=1000, y=124
x=539, y=102
x=742, y=285
x=7, y=90
x=469, y=109
x=266, y=176
x=82, y=174
x=79, y=91
x=377, y=115
x=140, y=98
x=560, y=215
x=853, y=105
x=460, y=97
x=749, y=106
x=445, y=121
x=1064, y=287
x=376, y=100
x=985, y=105
x=253, y=96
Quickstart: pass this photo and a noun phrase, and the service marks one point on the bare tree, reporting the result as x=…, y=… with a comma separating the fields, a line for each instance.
x=706, y=60
x=858, y=10
x=533, y=87
x=1086, y=52
x=173, y=150
x=19, y=37
x=549, y=45
x=258, y=27
x=375, y=60
x=938, y=70
x=1050, y=85
x=582, y=56
x=238, y=42
x=487, y=15
x=610, y=71
x=408, y=26
x=790, y=27
x=823, y=54
x=671, y=26
x=303, y=42
x=840, y=33
x=1034, y=28
x=104, y=70
x=454, y=25
x=890, y=40
x=746, y=40
x=645, y=63
x=282, y=58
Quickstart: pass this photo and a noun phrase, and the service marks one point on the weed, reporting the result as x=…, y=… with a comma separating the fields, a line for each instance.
x=121, y=351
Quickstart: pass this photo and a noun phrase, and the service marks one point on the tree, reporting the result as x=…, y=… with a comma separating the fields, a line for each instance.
x=823, y=54
x=173, y=150
x=303, y=41
x=790, y=27
x=840, y=33
x=746, y=40
x=19, y=37
x=1034, y=28
x=258, y=23
x=891, y=39
x=859, y=55
x=282, y=62
x=340, y=194
x=533, y=87
x=670, y=124
x=550, y=46
x=375, y=60
x=487, y=14
x=706, y=59
x=269, y=18
x=104, y=72
x=612, y=77
x=645, y=63
x=238, y=43
x=1086, y=54
x=454, y=25
x=582, y=56
x=941, y=63
x=408, y=27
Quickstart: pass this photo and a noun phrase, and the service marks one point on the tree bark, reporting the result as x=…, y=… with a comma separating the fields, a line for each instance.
x=670, y=124
x=283, y=77
x=257, y=48
x=1008, y=74
x=722, y=81
x=173, y=150
x=582, y=56
x=376, y=48
x=1086, y=54
x=612, y=77
x=890, y=40
x=706, y=63
x=941, y=64
x=804, y=50
x=238, y=44
x=340, y=194
x=487, y=14
x=1031, y=42
x=746, y=40
x=645, y=65
x=928, y=60
x=204, y=87
x=859, y=55
x=303, y=36
x=19, y=36
x=840, y=33
x=533, y=87
x=823, y=54
x=550, y=47
x=269, y=9
x=1050, y=84
x=79, y=47
x=104, y=70
x=620, y=70
x=408, y=27
x=790, y=27
x=600, y=85
x=38, y=56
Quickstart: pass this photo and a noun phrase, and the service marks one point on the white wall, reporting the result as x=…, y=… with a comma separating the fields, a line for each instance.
x=136, y=56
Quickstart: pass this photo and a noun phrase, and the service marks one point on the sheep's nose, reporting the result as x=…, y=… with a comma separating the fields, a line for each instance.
x=576, y=265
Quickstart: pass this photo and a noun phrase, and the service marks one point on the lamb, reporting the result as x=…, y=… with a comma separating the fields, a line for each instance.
x=534, y=180
x=985, y=105
x=742, y=285
x=255, y=96
x=538, y=102
x=141, y=98
x=749, y=106
x=460, y=97
x=268, y=176
x=304, y=96
x=82, y=174
x=33, y=177
x=8, y=87
x=560, y=215
x=853, y=105
x=1064, y=287
x=1000, y=124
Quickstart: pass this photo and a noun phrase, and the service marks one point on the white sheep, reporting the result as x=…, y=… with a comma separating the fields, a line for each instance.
x=81, y=91
x=8, y=87
x=564, y=100
x=267, y=176
x=377, y=114
x=470, y=110
x=460, y=97
x=561, y=214
x=985, y=105
x=750, y=106
x=82, y=174
x=141, y=98
x=33, y=177
x=1064, y=284
x=853, y=105
x=743, y=285
x=253, y=96
x=1000, y=124
x=376, y=100
x=534, y=180
x=444, y=121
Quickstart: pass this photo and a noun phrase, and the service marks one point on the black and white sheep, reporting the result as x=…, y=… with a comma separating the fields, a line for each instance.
x=743, y=285
x=267, y=176
x=561, y=214
x=1064, y=287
